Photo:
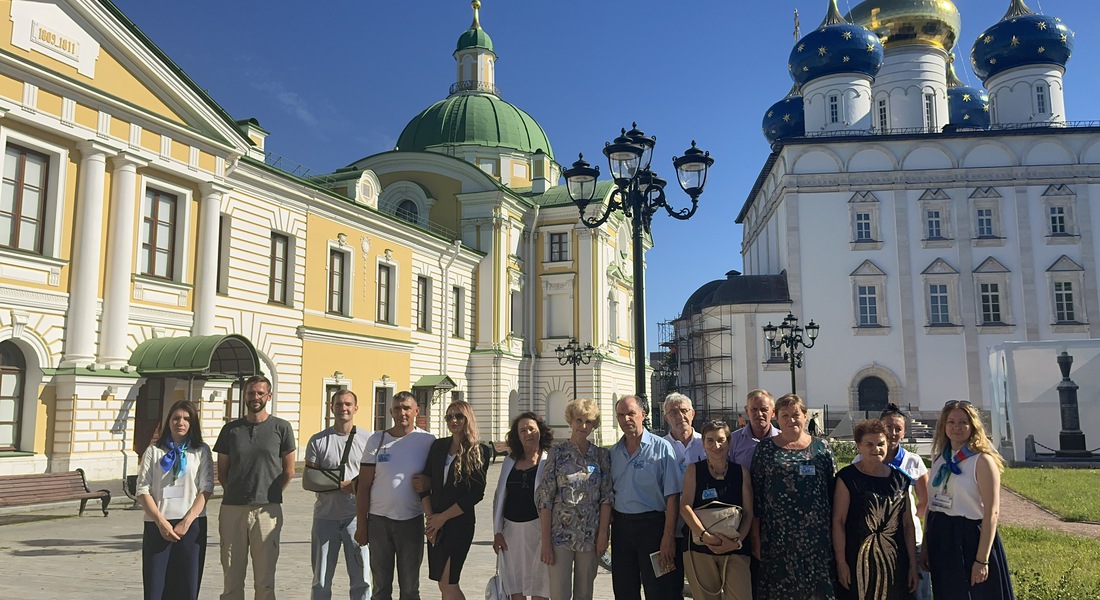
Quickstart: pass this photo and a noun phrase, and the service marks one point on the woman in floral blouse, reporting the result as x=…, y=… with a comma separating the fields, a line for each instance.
x=574, y=500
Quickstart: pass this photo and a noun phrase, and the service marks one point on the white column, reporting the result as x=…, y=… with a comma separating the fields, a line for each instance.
x=84, y=274
x=121, y=223
x=206, y=267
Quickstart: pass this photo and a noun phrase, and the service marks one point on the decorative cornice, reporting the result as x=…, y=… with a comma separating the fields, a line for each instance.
x=328, y=336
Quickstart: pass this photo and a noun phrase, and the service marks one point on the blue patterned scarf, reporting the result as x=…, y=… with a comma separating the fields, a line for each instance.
x=951, y=464
x=175, y=459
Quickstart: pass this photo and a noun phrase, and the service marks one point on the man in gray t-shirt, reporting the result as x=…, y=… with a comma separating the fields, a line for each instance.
x=255, y=464
x=334, y=512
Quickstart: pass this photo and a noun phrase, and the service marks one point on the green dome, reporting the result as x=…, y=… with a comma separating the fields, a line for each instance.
x=475, y=37
x=474, y=120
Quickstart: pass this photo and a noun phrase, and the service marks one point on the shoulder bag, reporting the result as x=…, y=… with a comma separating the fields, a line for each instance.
x=316, y=479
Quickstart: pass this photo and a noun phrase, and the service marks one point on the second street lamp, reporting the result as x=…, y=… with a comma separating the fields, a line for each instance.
x=573, y=354
x=639, y=193
x=788, y=338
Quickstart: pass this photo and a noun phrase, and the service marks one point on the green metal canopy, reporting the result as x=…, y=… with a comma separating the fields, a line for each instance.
x=438, y=382
x=204, y=356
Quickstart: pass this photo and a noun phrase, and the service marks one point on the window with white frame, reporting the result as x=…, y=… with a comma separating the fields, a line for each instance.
x=985, y=210
x=1059, y=202
x=869, y=297
x=24, y=199
x=774, y=354
x=339, y=276
x=985, y=222
x=1066, y=278
x=991, y=281
x=935, y=210
x=1041, y=99
x=883, y=121
x=279, y=277
x=225, y=235
x=158, y=234
x=384, y=299
x=559, y=247
x=458, y=312
x=930, y=112
x=1057, y=222
x=423, y=303
x=863, y=210
x=933, y=220
x=941, y=285
x=834, y=108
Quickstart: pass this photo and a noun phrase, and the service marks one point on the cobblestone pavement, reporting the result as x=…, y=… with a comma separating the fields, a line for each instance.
x=52, y=553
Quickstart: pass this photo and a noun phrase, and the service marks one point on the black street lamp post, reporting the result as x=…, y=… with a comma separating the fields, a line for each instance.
x=639, y=193
x=573, y=354
x=788, y=338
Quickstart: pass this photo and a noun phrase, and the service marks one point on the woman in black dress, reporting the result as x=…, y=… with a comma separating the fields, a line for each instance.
x=873, y=533
x=455, y=470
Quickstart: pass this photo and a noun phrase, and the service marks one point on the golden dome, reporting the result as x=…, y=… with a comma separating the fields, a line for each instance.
x=902, y=22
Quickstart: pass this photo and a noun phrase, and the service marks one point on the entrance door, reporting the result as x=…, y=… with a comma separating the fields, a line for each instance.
x=147, y=418
x=423, y=397
x=873, y=394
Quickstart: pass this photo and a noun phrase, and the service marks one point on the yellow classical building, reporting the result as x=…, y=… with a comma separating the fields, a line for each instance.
x=149, y=253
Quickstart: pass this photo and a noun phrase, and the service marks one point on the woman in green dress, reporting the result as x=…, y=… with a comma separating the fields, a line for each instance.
x=793, y=475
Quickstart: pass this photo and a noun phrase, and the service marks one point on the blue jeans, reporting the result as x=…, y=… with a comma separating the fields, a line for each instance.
x=329, y=535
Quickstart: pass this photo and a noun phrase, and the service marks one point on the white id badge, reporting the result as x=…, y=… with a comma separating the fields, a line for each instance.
x=173, y=491
x=941, y=500
x=807, y=470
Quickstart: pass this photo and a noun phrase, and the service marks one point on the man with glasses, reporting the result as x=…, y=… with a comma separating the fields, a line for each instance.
x=687, y=443
x=389, y=515
x=255, y=464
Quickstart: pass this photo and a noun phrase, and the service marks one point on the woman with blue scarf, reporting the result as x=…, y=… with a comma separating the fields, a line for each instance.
x=174, y=483
x=962, y=549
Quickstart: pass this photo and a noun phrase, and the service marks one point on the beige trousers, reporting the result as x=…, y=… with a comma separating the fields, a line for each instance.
x=705, y=575
x=573, y=574
x=251, y=529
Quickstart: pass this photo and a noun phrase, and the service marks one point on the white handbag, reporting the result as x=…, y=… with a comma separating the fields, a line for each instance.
x=494, y=588
x=719, y=518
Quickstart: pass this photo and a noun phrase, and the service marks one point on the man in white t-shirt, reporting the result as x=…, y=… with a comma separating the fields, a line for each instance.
x=686, y=442
x=390, y=515
x=334, y=521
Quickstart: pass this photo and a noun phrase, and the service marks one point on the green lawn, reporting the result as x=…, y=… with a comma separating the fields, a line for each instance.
x=1074, y=494
x=1048, y=565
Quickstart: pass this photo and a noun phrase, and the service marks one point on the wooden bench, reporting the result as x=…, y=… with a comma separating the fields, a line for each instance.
x=44, y=488
x=500, y=449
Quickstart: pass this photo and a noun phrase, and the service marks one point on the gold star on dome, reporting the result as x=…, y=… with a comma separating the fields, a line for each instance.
x=846, y=59
x=1042, y=49
x=1042, y=25
x=987, y=39
x=805, y=69
x=821, y=51
x=985, y=107
x=1015, y=41
x=966, y=97
x=870, y=47
x=846, y=35
x=993, y=61
x=770, y=113
x=1064, y=38
x=966, y=117
x=787, y=118
x=801, y=47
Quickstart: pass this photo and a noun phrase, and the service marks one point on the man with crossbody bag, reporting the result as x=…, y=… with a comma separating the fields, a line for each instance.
x=332, y=461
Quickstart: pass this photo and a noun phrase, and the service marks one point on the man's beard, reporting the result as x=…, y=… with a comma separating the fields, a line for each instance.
x=263, y=405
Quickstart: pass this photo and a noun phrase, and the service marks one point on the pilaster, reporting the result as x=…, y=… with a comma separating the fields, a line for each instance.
x=206, y=268
x=120, y=260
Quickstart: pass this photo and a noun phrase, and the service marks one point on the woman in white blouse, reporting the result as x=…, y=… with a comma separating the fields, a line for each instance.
x=175, y=481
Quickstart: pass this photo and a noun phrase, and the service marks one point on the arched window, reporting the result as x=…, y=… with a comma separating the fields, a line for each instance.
x=408, y=211
x=13, y=372
x=873, y=394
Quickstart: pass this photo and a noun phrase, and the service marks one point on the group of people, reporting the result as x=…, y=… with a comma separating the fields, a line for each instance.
x=790, y=525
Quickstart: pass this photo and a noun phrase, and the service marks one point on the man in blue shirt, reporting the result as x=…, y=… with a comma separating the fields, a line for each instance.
x=645, y=473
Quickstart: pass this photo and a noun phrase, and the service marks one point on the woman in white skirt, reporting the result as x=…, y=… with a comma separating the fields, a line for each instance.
x=518, y=536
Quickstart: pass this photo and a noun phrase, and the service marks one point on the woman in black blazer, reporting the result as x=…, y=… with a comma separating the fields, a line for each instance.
x=456, y=470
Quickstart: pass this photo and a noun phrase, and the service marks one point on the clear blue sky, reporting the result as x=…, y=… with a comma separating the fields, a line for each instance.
x=336, y=80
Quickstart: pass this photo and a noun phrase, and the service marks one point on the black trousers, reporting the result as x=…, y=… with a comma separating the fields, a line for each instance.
x=173, y=570
x=633, y=538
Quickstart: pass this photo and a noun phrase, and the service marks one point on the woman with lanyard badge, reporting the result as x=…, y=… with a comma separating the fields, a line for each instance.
x=962, y=549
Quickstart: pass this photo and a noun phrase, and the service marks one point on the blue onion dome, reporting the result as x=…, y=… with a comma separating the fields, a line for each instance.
x=836, y=46
x=967, y=107
x=1021, y=38
x=785, y=119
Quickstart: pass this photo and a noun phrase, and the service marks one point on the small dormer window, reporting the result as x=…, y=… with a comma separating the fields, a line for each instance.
x=408, y=211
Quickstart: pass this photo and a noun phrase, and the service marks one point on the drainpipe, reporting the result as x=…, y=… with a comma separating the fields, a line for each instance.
x=446, y=259
x=529, y=309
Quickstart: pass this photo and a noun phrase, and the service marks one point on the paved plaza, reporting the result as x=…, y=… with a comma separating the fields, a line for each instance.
x=52, y=553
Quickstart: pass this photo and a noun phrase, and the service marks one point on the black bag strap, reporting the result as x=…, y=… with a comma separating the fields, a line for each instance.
x=347, y=452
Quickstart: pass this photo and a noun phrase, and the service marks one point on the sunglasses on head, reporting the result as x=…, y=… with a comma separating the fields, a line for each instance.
x=957, y=403
x=456, y=417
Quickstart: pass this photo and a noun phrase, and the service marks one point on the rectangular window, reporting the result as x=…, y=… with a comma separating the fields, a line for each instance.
x=935, y=225
x=336, y=264
x=938, y=313
x=381, y=407
x=515, y=320
x=882, y=121
x=1058, y=220
x=458, y=312
x=863, y=227
x=930, y=112
x=1063, y=302
x=834, y=109
x=280, y=268
x=23, y=199
x=991, y=303
x=423, y=304
x=225, y=234
x=158, y=233
x=775, y=353
x=330, y=390
x=559, y=247
x=385, y=281
x=1041, y=99
x=868, y=306
x=985, y=222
